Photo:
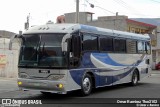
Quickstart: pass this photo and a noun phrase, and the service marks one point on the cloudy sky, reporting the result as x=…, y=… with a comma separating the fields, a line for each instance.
x=14, y=12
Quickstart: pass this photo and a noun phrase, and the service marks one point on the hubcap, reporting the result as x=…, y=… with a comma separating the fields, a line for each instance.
x=135, y=78
x=86, y=85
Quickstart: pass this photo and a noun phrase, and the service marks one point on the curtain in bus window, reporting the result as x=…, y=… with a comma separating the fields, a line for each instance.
x=120, y=45
x=131, y=46
x=89, y=42
x=106, y=44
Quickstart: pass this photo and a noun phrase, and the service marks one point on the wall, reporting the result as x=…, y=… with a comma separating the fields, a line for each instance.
x=71, y=17
x=9, y=67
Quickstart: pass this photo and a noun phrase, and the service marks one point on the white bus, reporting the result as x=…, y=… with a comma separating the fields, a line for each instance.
x=57, y=58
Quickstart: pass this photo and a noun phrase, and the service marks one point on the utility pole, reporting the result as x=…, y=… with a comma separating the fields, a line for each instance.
x=77, y=11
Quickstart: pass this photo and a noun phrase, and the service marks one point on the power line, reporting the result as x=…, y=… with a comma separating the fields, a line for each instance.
x=123, y=4
x=92, y=6
x=129, y=8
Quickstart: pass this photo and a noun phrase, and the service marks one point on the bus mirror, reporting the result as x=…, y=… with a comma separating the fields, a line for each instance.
x=64, y=47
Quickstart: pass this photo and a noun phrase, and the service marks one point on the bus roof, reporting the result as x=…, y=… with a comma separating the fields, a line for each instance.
x=70, y=28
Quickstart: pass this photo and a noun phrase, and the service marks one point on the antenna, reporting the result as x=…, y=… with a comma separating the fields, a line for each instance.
x=26, y=26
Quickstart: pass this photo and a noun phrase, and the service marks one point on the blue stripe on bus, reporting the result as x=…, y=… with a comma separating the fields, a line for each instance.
x=105, y=58
x=77, y=76
x=87, y=65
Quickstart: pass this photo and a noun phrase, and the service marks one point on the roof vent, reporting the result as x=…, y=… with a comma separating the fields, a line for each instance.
x=50, y=22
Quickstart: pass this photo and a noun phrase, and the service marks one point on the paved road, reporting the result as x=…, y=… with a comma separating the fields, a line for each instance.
x=147, y=88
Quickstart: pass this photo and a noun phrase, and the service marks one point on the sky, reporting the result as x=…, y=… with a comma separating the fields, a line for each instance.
x=13, y=13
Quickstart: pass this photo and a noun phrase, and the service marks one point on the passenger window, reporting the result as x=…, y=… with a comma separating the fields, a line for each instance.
x=120, y=45
x=90, y=42
x=148, y=48
x=141, y=47
x=106, y=44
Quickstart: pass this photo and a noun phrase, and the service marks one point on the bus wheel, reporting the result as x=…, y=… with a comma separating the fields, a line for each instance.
x=86, y=85
x=134, y=80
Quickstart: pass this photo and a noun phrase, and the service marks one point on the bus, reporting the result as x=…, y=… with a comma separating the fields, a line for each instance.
x=58, y=58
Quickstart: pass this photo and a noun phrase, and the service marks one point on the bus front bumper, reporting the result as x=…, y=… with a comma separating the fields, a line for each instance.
x=42, y=85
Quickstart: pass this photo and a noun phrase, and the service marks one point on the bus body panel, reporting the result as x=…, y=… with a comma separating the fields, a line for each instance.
x=107, y=68
x=38, y=81
x=111, y=69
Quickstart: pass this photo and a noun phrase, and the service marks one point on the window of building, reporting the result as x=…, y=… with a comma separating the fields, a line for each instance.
x=89, y=17
x=119, y=45
x=90, y=42
x=106, y=44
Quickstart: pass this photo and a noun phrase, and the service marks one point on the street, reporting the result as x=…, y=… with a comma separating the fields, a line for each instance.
x=147, y=88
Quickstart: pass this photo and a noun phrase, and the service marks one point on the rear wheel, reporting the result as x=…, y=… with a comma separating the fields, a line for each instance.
x=134, y=80
x=86, y=85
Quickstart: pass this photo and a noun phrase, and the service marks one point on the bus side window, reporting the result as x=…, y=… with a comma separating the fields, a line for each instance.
x=76, y=51
x=148, y=48
x=131, y=46
x=106, y=44
x=120, y=45
x=90, y=42
x=141, y=47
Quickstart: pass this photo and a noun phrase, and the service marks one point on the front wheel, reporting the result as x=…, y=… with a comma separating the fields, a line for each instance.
x=134, y=80
x=86, y=85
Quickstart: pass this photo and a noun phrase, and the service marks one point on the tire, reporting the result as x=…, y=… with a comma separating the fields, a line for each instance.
x=87, y=85
x=134, y=80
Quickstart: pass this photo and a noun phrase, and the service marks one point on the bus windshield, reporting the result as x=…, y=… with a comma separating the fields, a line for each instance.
x=42, y=50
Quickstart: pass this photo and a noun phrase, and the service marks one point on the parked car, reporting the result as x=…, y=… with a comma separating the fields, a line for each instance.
x=158, y=66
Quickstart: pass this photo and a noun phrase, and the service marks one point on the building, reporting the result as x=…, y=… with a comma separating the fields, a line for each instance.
x=6, y=34
x=8, y=58
x=122, y=23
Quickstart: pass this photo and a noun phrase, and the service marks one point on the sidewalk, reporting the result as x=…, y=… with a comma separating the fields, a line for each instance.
x=155, y=72
x=7, y=78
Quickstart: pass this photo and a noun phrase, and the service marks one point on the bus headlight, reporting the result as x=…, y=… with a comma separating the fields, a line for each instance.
x=19, y=83
x=60, y=85
x=55, y=77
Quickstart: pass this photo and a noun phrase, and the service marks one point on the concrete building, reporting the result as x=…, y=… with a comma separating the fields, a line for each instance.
x=118, y=22
x=8, y=58
x=122, y=23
